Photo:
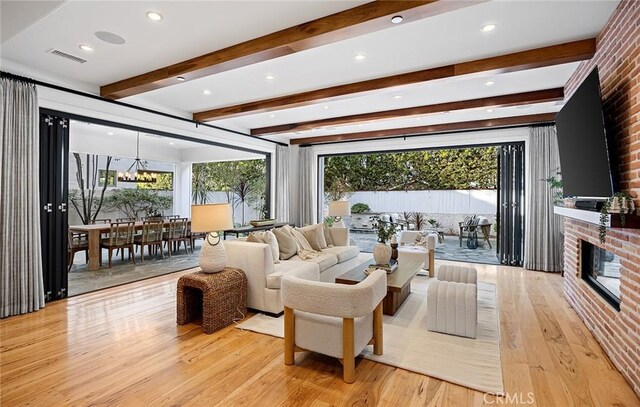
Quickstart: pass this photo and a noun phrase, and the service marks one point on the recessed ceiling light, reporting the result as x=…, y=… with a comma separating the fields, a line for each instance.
x=269, y=77
x=360, y=125
x=489, y=83
x=489, y=110
x=171, y=143
x=110, y=133
x=327, y=107
x=488, y=27
x=360, y=57
x=396, y=19
x=397, y=97
x=86, y=47
x=206, y=92
x=181, y=78
x=152, y=15
x=272, y=115
x=418, y=118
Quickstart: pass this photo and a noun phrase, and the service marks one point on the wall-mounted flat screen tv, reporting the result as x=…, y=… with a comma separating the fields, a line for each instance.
x=583, y=145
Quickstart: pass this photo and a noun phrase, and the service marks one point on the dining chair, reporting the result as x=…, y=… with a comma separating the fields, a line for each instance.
x=76, y=242
x=121, y=235
x=125, y=219
x=177, y=232
x=171, y=216
x=151, y=237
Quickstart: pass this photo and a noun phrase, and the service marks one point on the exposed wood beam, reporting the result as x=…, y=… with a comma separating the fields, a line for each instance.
x=429, y=129
x=364, y=19
x=518, y=61
x=515, y=99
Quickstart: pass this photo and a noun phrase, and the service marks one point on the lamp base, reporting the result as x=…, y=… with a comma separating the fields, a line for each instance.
x=213, y=258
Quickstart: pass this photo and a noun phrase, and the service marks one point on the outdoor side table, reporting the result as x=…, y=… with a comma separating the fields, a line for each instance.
x=219, y=298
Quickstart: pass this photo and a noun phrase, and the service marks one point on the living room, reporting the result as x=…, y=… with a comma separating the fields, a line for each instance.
x=286, y=305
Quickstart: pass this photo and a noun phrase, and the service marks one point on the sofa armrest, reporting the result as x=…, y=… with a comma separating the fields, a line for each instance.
x=340, y=236
x=255, y=259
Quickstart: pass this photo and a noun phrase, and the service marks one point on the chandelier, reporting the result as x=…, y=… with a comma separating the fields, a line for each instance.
x=138, y=171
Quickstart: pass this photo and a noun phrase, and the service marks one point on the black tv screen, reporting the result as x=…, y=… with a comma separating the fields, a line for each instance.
x=582, y=143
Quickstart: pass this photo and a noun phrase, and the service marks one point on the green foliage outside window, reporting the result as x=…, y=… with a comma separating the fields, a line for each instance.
x=464, y=168
x=137, y=203
x=164, y=182
x=242, y=182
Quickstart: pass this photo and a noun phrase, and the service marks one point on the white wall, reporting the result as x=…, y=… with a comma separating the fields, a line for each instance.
x=465, y=202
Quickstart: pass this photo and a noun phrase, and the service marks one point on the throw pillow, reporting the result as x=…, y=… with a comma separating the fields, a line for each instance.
x=305, y=251
x=269, y=238
x=286, y=243
x=255, y=238
x=315, y=236
x=327, y=236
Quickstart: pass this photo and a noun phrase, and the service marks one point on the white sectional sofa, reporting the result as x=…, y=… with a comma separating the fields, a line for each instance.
x=264, y=277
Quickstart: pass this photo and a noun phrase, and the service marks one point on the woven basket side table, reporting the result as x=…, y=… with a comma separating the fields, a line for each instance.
x=220, y=298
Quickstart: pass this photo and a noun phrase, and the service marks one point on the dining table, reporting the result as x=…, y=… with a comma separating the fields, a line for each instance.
x=94, y=233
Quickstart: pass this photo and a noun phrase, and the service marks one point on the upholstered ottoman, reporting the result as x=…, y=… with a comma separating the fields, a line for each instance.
x=219, y=298
x=458, y=274
x=452, y=308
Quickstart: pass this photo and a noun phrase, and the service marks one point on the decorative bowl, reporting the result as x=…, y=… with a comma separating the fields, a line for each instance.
x=262, y=222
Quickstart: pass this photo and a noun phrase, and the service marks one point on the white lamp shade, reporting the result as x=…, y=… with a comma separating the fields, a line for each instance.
x=339, y=208
x=211, y=217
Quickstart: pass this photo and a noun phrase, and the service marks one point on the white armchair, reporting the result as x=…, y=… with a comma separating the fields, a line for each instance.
x=425, y=253
x=337, y=320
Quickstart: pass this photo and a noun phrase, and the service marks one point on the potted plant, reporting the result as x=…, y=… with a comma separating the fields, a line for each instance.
x=621, y=203
x=386, y=232
x=360, y=208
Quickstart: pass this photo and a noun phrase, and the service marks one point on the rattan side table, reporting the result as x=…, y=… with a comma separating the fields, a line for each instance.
x=220, y=298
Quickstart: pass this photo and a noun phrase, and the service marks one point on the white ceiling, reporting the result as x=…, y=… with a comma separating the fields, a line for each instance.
x=440, y=40
x=95, y=138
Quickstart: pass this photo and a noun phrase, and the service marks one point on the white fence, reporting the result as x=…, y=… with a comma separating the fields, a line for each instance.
x=463, y=202
x=447, y=207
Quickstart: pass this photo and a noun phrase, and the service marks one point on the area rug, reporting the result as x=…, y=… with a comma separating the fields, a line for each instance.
x=472, y=363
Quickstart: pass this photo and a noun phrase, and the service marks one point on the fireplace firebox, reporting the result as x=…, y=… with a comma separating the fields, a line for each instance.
x=601, y=270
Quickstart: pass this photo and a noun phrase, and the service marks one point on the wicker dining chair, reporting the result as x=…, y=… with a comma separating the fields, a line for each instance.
x=171, y=216
x=121, y=235
x=106, y=221
x=177, y=233
x=151, y=237
x=77, y=242
x=125, y=220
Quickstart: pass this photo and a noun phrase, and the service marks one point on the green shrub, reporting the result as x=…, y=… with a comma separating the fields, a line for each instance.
x=360, y=208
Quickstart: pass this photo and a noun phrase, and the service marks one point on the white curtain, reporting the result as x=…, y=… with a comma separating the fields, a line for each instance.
x=543, y=229
x=21, y=285
x=306, y=187
x=282, y=183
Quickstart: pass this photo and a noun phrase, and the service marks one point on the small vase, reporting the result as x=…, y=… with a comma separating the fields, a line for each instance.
x=382, y=253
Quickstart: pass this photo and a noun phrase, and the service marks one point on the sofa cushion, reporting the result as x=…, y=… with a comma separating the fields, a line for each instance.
x=315, y=236
x=343, y=253
x=324, y=261
x=286, y=243
x=303, y=269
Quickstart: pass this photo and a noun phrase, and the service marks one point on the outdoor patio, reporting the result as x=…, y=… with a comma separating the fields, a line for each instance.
x=449, y=249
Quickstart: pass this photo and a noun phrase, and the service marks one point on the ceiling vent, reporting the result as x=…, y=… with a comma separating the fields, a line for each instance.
x=67, y=56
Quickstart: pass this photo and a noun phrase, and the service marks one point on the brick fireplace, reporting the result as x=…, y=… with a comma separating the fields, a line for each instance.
x=618, y=59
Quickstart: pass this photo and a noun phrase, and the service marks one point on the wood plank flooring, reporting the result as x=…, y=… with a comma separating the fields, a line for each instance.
x=122, y=347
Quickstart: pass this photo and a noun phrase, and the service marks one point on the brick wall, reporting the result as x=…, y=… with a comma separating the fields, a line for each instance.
x=618, y=59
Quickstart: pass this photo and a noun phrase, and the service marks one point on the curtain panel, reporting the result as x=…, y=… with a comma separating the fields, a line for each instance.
x=543, y=229
x=305, y=187
x=21, y=281
x=282, y=183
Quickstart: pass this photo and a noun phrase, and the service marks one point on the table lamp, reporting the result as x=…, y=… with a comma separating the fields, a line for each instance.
x=339, y=209
x=210, y=219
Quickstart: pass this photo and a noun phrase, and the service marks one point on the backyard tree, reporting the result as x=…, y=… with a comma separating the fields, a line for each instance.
x=84, y=199
x=138, y=203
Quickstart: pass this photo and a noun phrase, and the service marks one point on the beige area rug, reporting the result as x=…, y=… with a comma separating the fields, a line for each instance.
x=472, y=363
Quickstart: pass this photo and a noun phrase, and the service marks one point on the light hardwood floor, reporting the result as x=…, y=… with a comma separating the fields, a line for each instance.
x=122, y=347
